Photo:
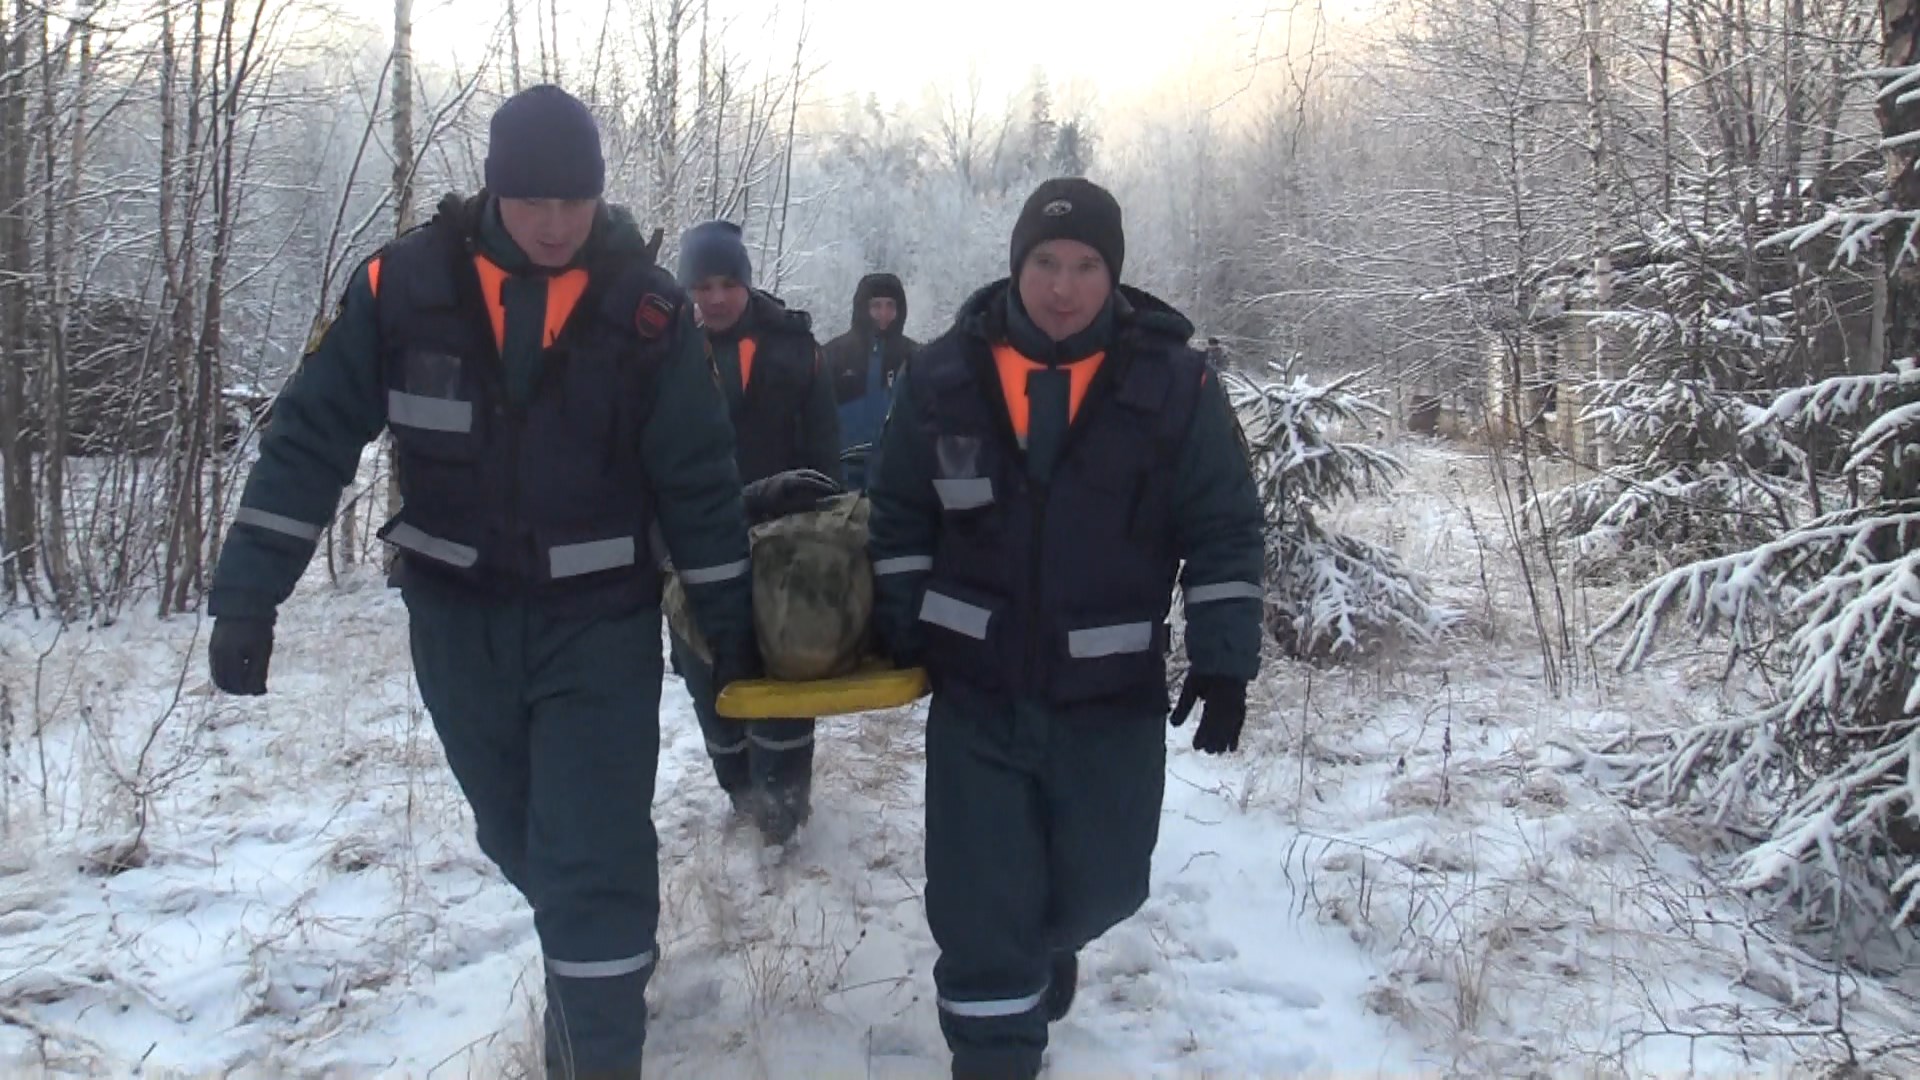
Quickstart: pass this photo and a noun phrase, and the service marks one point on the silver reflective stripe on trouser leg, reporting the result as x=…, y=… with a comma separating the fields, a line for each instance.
x=429, y=413
x=956, y=615
x=904, y=564
x=964, y=493
x=986, y=1010
x=591, y=557
x=294, y=527
x=446, y=551
x=1226, y=590
x=709, y=575
x=796, y=743
x=726, y=748
x=601, y=969
x=1097, y=641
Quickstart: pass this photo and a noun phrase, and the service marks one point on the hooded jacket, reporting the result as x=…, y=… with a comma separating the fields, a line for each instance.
x=864, y=363
x=849, y=354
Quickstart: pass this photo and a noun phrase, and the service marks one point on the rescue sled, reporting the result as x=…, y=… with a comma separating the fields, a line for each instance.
x=872, y=688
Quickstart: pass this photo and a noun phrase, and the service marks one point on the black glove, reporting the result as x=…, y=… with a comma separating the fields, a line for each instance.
x=1225, y=713
x=730, y=665
x=786, y=493
x=238, y=652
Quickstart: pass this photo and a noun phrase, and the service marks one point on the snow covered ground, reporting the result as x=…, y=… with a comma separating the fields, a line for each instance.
x=1403, y=873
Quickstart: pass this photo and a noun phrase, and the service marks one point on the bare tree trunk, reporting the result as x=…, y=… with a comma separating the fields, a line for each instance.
x=553, y=25
x=17, y=551
x=540, y=41
x=1668, y=165
x=180, y=172
x=513, y=44
x=404, y=163
x=206, y=352
x=1787, y=195
x=786, y=172
x=56, y=260
x=1603, y=348
x=663, y=107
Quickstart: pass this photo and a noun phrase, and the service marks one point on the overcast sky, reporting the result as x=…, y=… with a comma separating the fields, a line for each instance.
x=896, y=48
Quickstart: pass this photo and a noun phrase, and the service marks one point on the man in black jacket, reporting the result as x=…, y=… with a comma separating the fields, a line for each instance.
x=551, y=405
x=1055, y=465
x=781, y=401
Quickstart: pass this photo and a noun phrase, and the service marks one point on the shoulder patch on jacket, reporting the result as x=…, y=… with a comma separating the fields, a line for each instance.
x=653, y=316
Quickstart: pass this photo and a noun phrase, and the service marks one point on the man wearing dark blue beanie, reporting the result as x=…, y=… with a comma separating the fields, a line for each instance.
x=714, y=249
x=544, y=144
x=551, y=406
x=787, y=436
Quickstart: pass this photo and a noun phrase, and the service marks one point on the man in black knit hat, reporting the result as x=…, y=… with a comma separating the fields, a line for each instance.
x=787, y=439
x=1054, y=466
x=551, y=406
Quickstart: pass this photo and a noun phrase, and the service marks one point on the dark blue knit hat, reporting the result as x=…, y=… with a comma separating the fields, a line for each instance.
x=714, y=249
x=543, y=144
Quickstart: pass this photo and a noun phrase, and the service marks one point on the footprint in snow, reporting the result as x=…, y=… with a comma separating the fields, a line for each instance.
x=1291, y=994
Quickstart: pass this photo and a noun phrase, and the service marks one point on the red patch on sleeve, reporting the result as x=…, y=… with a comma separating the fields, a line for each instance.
x=653, y=316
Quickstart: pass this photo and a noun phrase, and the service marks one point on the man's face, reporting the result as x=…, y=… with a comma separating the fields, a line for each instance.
x=719, y=301
x=882, y=311
x=550, y=231
x=1063, y=286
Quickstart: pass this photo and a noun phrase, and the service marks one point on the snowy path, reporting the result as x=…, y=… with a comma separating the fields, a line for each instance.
x=1402, y=873
x=311, y=901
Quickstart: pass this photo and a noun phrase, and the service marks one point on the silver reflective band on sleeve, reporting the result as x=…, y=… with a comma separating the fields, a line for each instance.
x=600, y=969
x=433, y=547
x=429, y=413
x=956, y=615
x=261, y=519
x=726, y=748
x=780, y=744
x=905, y=564
x=965, y=493
x=711, y=574
x=1098, y=641
x=572, y=560
x=1227, y=590
x=982, y=1010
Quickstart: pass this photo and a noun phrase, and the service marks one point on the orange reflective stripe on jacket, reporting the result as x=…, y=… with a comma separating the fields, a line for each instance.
x=747, y=349
x=373, y=275
x=1014, y=369
x=563, y=292
x=492, y=279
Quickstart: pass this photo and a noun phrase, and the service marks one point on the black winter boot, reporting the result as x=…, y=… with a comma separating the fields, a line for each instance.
x=1063, y=979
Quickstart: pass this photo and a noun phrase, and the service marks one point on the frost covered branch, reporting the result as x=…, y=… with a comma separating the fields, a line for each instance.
x=1832, y=764
x=1329, y=596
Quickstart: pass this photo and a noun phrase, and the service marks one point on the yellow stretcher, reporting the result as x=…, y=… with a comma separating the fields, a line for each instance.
x=866, y=690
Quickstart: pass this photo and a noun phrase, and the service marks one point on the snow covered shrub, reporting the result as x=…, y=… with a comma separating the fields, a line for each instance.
x=1703, y=346
x=1830, y=769
x=1329, y=596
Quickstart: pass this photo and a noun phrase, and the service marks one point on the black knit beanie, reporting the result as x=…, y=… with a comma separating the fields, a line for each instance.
x=1070, y=208
x=714, y=249
x=543, y=144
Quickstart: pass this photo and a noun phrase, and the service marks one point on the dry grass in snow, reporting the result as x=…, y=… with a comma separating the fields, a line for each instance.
x=1404, y=873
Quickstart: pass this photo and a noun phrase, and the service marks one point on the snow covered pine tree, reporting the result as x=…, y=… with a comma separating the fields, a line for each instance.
x=1830, y=769
x=1329, y=596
